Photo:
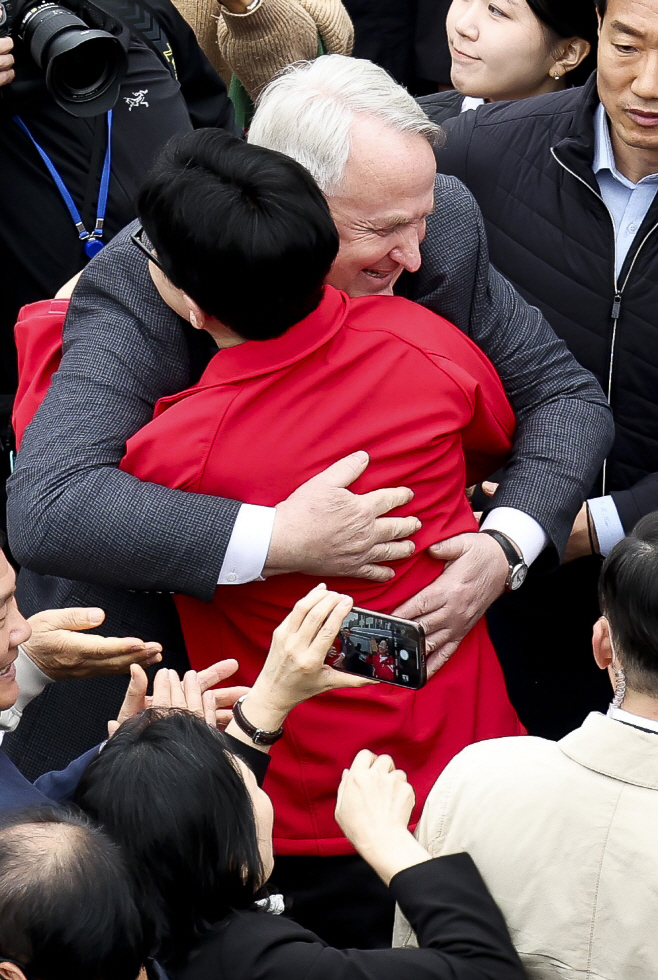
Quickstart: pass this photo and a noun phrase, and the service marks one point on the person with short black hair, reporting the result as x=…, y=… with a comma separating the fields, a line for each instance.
x=261, y=212
x=564, y=833
x=67, y=909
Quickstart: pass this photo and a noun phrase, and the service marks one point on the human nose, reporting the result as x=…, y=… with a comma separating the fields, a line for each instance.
x=466, y=23
x=407, y=249
x=20, y=630
x=645, y=83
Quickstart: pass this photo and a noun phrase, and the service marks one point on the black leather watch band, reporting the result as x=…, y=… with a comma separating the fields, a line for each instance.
x=517, y=568
x=259, y=736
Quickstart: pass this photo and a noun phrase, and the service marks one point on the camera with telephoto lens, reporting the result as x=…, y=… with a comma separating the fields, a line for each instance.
x=83, y=66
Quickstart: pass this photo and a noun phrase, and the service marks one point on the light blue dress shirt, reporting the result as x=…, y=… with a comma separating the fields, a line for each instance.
x=628, y=204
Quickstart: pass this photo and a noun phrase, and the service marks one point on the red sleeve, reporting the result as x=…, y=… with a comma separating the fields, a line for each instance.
x=38, y=334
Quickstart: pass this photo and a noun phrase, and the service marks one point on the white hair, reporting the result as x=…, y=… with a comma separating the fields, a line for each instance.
x=307, y=112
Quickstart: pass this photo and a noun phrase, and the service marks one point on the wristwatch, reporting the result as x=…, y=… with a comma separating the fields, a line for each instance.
x=518, y=569
x=259, y=736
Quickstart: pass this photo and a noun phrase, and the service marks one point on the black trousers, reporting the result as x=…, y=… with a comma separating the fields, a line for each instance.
x=543, y=638
x=341, y=899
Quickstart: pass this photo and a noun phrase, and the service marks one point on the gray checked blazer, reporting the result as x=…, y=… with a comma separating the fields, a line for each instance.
x=87, y=533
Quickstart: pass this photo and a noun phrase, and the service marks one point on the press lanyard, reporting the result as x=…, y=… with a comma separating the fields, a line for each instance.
x=92, y=240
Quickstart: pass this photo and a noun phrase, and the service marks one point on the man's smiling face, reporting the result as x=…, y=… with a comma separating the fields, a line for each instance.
x=14, y=629
x=380, y=209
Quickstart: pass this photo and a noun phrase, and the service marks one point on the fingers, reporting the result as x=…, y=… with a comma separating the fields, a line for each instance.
x=7, y=73
x=134, y=700
x=70, y=618
x=396, y=528
x=362, y=761
x=448, y=550
x=420, y=607
x=194, y=698
x=391, y=551
x=332, y=606
x=209, y=711
x=339, y=679
x=374, y=573
x=302, y=607
x=344, y=471
x=381, y=501
x=161, y=697
x=216, y=673
x=226, y=697
x=489, y=488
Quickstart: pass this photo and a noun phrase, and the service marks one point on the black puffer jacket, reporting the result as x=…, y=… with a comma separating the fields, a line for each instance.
x=528, y=164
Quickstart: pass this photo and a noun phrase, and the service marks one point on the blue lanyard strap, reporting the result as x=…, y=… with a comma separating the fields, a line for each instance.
x=91, y=239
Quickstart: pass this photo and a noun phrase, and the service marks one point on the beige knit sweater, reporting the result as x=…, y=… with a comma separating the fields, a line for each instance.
x=257, y=45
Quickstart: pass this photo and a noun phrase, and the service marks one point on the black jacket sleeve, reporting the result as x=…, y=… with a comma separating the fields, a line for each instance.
x=461, y=932
x=564, y=425
x=257, y=761
x=203, y=89
x=637, y=501
x=71, y=511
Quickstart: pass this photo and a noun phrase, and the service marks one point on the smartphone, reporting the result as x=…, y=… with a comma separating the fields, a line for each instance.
x=386, y=648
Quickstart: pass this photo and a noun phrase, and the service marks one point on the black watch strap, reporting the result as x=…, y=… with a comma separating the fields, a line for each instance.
x=517, y=568
x=259, y=736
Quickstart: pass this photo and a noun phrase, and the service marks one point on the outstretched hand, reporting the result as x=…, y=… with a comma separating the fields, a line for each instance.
x=324, y=529
x=59, y=648
x=193, y=693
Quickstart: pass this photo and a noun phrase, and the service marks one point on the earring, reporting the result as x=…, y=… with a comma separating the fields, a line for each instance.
x=620, y=676
x=556, y=75
x=620, y=687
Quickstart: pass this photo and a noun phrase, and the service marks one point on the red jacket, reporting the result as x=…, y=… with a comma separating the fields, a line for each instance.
x=380, y=374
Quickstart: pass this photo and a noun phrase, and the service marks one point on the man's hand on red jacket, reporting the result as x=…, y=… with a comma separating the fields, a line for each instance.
x=473, y=577
x=324, y=529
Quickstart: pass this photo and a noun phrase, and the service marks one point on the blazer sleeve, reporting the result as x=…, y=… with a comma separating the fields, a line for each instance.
x=637, y=501
x=71, y=511
x=564, y=425
x=462, y=936
x=60, y=786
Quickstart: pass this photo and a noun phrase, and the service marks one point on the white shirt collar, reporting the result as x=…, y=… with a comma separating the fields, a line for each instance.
x=470, y=102
x=648, y=724
x=604, y=158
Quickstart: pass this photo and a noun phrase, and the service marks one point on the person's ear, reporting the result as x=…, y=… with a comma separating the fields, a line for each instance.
x=196, y=316
x=573, y=52
x=601, y=643
x=9, y=971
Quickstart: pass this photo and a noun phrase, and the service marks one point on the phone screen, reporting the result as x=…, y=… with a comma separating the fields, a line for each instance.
x=383, y=647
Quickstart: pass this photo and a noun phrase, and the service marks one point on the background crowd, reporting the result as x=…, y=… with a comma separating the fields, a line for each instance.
x=309, y=304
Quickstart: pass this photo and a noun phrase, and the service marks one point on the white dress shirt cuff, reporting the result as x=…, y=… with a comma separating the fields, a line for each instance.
x=526, y=533
x=31, y=682
x=248, y=546
x=609, y=528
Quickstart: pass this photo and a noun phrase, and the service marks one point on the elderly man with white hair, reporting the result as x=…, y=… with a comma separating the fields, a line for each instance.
x=370, y=147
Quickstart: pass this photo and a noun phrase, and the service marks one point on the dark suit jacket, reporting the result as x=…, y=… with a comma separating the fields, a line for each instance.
x=461, y=933
x=17, y=793
x=73, y=513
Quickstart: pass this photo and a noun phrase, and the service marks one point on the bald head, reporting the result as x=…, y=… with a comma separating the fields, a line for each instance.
x=66, y=901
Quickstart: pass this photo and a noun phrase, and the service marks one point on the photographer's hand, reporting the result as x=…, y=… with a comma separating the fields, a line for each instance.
x=7, y=73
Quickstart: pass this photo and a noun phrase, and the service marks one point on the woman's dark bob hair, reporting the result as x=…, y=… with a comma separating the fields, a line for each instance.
x=167, y=789
x=571, y=18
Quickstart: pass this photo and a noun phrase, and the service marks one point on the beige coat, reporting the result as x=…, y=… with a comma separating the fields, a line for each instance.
x=566, y=837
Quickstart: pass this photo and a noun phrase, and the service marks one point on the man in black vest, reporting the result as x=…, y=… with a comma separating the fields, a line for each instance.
x=567, y=185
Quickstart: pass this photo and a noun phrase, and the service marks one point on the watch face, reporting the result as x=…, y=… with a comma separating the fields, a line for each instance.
x=519, y=575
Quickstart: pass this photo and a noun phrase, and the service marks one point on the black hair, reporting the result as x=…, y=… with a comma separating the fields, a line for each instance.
x=167, y=789
x=628, y=596
x=601, y=6
x=571, y=18
x=66, y=902
x=243, y=230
